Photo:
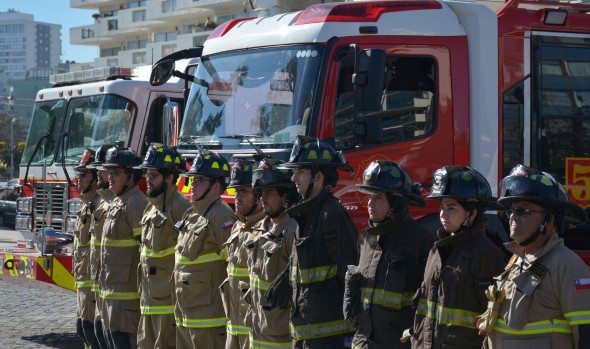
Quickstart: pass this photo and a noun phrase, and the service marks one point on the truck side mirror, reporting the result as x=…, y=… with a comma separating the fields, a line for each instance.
x=162, y=72
x=171, y=123
x=369, y=79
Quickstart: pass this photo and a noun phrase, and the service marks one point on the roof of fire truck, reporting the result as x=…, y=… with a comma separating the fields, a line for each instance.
x=321, y=22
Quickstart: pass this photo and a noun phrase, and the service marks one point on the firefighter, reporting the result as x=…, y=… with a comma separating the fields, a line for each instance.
x=461, y=264
x=119, y=249
x=98, y=218
x=162, y=165
x=86, y=301
x=325, y=243
x=393, y=250
x=543, y=296
x=201, y=256
x=249, y=212
x=269, y=249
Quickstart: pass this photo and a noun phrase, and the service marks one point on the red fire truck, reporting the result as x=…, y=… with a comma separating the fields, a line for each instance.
x=83, y=109
x=425, y=83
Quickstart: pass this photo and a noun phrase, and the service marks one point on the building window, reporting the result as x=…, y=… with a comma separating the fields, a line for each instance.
x=136, y=4
x=136, y=45
x=168, y=6
x=112, y=51
x=139, y=16
x=168, y=49
x=87, y=33
x=138, y=58
x=162, y=37
x=113, y=24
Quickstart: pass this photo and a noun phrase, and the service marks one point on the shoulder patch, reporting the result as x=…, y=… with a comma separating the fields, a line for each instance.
x=582, y=284
x=227, y=225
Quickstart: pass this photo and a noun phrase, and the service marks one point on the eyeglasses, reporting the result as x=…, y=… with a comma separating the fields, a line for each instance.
x=114, y=173
x=151, y=176
x=520, y=211
x=81, y=174
x=200, y=180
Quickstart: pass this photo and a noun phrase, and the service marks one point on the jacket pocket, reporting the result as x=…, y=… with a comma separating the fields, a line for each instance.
x=196, y=288
x=395, y=281
x=160, y=281
x=118, y=273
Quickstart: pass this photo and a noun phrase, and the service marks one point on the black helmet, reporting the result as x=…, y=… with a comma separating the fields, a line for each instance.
x=529, y=184
x=87, y=159
x=384, y=176
x=210, y=164
x=163, y=157
x=314, y=152
x=270, y=175
x=121, y=157
x=100, y=156
x=461, y=183
x=241, y=173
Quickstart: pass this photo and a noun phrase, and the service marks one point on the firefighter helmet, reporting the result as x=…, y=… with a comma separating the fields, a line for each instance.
x=384, y=176
x=121, y=157
x=529, y=184
x=163, y=157
x=462, y=183
x=269, y=174
x=241, y=173
x=87, y=159
x=210, y=164
x=100, y=156
x=314, y=152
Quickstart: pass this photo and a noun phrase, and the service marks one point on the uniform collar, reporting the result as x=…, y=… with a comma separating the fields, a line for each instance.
x=203, y=205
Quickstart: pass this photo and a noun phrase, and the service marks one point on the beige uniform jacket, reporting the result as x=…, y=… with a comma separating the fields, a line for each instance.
x=200, y=263
x=81, y=256
x=98, y=218
x=119, y=260
x=158, y=245
x=269, y=250
x=236, y=284
x=547, y=295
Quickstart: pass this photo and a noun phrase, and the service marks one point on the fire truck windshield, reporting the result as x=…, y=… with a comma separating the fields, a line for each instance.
x=47, y=117
x=262, y=95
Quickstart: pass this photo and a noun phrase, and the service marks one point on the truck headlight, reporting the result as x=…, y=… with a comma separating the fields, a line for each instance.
x=24, y=205
x=74, y=206
x=70, y=224
x=23, y=223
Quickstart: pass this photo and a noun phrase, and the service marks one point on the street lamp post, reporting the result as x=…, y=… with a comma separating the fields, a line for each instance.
x=12, y=147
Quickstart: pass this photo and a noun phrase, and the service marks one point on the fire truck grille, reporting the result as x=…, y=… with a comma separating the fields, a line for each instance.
x=50, y=197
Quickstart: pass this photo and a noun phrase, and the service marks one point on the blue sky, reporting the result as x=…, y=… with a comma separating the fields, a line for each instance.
x=58, y=12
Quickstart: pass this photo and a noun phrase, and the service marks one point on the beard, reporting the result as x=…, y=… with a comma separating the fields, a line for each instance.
x=156, y=191
x=100, y=184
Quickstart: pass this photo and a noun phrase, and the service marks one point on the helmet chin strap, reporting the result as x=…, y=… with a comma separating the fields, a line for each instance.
x=209, y=187
x=466, y=222
x=541, y=230
x=311, y=182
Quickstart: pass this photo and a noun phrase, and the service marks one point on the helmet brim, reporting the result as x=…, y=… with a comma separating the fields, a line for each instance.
x=413, y=199
x=293, y=165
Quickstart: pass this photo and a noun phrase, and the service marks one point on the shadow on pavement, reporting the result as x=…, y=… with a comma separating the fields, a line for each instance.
x=56, y=340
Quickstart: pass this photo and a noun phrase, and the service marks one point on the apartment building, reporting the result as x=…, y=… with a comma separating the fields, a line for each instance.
x=131, y=33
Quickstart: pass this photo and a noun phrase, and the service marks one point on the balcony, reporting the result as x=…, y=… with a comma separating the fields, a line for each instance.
x=167, y=10
x=134, y=19
x=86, y=35
x=195, y=38
x=94, y=4
x=208, y=4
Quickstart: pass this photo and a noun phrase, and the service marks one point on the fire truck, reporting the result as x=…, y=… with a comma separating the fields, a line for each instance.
x=83, y=109
x=425, y=83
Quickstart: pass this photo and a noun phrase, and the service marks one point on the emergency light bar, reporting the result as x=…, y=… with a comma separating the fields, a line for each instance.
x=96, y=74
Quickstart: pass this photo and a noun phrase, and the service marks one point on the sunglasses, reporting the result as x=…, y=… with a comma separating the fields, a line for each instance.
x=81, y=174
x=519, y=211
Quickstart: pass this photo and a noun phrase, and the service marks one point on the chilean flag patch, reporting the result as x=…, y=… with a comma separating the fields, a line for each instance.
x=227, y=225
x=582, y=284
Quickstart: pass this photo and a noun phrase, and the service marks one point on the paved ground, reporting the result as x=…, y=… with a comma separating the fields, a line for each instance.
x=33, y=314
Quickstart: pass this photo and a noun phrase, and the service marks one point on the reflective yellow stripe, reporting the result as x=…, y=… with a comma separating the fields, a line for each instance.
x=311, y=275
x=78, y=244
x=259, y=283
x=237, y=330
x=545, y=326
x=206, y=258
x=94, y=288
x=156, y=310
x=258, y=344
x=237, y=272
x=446, y=316
x=119, y=296
x=578, y=317
x=137, y=231
x=385, y=298
x=201, y=323
x=148, y=252
x=83, y=284
x=326, y=329
x=93, y=241
x=119, y=243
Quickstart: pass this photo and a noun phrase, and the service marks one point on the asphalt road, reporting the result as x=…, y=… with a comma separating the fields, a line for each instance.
x=34, y=314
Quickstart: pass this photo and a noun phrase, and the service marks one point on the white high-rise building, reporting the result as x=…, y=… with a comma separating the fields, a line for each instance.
x=131, y=33
x=26, y=44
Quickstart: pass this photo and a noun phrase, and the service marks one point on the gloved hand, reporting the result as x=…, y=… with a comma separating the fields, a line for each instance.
x=486, y=321
x=280, y=291
x=352, y=292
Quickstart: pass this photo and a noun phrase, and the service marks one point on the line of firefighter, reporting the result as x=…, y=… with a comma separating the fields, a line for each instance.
x=404, y=290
